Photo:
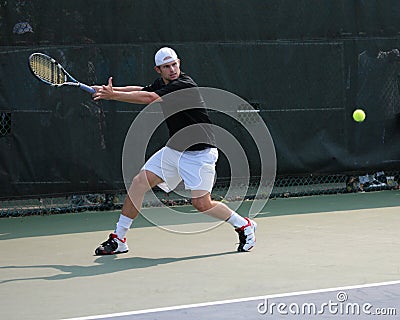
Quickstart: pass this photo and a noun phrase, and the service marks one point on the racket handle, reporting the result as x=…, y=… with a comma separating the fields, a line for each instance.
x=86, y=88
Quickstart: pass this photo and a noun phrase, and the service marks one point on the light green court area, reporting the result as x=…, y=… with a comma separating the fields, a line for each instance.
x=33, y=226
x=48, y=270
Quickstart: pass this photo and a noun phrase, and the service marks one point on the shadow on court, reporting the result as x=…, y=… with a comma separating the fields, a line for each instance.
x=105, y=265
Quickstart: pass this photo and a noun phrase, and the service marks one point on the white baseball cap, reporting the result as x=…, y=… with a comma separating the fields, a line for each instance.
x=165, y=55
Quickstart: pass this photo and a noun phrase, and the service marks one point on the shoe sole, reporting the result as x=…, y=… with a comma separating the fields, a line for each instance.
x=96, y=253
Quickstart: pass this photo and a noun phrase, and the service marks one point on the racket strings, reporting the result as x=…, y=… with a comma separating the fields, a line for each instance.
x=47, y=70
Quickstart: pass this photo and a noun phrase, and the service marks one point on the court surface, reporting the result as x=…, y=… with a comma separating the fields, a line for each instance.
x=313, y=254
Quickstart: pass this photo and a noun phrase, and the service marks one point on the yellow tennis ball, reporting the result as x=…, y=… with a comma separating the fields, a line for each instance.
x=359, y=115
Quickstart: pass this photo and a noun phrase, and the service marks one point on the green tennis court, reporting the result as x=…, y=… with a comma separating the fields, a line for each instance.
x=48, y=270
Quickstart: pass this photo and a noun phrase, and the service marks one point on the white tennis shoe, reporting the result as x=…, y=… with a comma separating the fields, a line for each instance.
x=113, y=245
x=247, y=236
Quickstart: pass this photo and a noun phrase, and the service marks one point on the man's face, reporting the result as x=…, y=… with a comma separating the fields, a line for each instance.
x=169, y=71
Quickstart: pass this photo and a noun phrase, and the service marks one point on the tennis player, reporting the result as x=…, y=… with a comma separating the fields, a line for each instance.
x=192, y=161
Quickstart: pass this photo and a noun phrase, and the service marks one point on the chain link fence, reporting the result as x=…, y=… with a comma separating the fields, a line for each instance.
x=5, y=123
x=284, y=187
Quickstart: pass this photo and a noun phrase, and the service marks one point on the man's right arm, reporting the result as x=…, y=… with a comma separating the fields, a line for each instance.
x=121, y=89
x=128, y=88
x=130, y=94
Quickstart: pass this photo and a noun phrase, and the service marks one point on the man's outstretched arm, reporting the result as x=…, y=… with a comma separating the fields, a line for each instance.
x=130, y=94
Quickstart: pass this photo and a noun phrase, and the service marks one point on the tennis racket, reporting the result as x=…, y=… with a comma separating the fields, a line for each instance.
x=51, y=72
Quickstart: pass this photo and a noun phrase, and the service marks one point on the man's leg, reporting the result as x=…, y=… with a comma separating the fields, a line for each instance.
x=142, y=182
x=116, y=243
x=202, y=202
x=245, y=227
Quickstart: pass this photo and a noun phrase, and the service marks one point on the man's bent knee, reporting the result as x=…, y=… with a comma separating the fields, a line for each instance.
x=202, y=204
x=145, y=180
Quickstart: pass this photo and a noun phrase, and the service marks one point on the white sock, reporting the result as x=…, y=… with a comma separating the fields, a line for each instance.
x=123, y=225
x=236, y=220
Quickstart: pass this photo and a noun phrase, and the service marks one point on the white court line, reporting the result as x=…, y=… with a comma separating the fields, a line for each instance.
x=214, y=303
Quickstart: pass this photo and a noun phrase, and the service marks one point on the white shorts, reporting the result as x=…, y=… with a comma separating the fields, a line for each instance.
x=195, y=168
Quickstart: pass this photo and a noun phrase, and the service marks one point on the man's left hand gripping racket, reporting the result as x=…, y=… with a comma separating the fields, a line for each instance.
x=51, y=72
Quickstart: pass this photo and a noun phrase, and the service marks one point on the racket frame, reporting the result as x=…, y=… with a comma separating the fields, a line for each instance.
x=69, y=80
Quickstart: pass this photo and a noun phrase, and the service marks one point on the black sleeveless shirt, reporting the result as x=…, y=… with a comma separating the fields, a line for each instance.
x=185, y=113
